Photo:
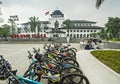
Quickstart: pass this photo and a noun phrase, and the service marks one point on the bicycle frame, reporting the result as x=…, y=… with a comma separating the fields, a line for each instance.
x=25, y=80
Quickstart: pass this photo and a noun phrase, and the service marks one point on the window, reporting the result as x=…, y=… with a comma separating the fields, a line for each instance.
x=80, y=35
x=87, y=30
x=77, y=35
x=74, y=30
x=83, y=24
x=70, y=35
x=80, y=30
x=84, y=30
x=77, y=30
x=79, y=24
x=74, y=36
x=94, y=30
x=84, y=35
x=89, y=24
x=87, y=35
x=91, y=30
x=70, y=30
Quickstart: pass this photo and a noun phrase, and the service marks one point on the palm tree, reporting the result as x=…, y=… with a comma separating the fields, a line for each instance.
x=12, y=29
x=98, y=3
x=33, y=23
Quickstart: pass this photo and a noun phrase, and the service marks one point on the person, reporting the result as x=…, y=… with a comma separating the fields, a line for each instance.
x=88, y=46
x=93, y=43
x=68, y=39
x=100, y=45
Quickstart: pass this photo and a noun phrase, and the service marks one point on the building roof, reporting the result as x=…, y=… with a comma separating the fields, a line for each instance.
x=81, y=21
x=57, y=12
x=85, y=27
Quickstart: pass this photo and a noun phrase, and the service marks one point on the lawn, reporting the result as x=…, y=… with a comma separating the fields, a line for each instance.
x=111, y=58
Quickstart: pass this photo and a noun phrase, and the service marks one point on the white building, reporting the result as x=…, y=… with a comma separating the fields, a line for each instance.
x=54, y=27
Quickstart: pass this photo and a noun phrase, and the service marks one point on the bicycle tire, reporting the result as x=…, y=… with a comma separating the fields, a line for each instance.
x=71, y=69
x=68, y=79
x=71, y=60
x=74, y=49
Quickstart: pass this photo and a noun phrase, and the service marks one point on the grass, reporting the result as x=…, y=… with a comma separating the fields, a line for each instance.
x=111, y=58
x=115, y=39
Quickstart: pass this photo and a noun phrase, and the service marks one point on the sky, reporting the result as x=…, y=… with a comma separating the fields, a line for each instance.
x=72, y=9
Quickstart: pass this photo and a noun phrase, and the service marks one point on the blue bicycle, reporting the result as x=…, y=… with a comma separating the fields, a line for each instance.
x=6, y=73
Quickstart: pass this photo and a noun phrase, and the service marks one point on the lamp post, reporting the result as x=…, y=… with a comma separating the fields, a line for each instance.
x=1, y=17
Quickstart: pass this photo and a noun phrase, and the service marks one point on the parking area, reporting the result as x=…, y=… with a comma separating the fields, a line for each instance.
x=17, y=54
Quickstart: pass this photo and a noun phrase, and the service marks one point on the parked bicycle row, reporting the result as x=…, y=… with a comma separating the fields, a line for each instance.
x=57, y=64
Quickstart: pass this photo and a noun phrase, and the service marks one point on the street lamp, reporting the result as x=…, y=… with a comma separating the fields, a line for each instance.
x=1, y=17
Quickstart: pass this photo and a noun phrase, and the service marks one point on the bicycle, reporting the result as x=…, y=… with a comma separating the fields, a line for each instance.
x=10, y=75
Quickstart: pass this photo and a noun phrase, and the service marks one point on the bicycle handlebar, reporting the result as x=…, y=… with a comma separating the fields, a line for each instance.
x=35, y=50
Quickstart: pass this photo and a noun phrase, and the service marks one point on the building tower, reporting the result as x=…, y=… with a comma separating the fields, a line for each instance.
x=58, y=16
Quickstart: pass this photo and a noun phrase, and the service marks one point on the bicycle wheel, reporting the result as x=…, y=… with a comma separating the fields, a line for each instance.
x=71, y=60
x=74, y=79
x=74, y=49
x=71, y=52
x=71, y=69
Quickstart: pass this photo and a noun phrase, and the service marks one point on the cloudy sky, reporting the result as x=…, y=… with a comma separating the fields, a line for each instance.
x=72, y=9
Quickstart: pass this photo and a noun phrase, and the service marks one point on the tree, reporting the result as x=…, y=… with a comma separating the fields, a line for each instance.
x=98, y=3
x=103, y=34
x=33, y=23
x=68, y=24
x=5, y=31
x=113, y=26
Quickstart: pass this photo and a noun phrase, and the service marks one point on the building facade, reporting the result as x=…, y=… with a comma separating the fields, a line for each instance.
x=54, y=27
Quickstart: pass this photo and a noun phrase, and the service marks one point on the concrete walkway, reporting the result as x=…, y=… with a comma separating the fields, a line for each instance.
x=96, y=72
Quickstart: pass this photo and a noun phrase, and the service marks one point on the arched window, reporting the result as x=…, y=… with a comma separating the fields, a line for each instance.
x=84, y=35
x=87, y=35
x=81, y=35
x=74, y=36
x=77, y=35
